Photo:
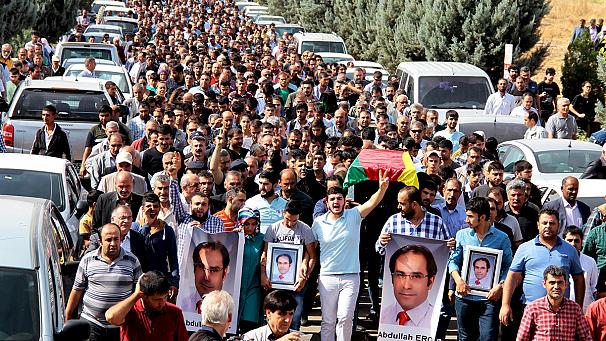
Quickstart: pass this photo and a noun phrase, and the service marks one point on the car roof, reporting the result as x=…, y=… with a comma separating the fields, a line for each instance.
x=441, y=69
x=98, y=61
x=106, y=26
x=333, y=54
x=99, y=67
x=315, y=36
x=363, y=64
x=287, y=25
x=119, y=9
x=555, y=144
x=58, y=82
x=20, y=220
x=116, y=18
x=31, y=162
x=86, y=45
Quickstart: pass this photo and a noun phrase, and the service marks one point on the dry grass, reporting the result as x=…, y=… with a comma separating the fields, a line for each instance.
x=557, y=28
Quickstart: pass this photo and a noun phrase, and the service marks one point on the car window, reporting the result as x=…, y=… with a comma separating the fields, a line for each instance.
x=453, y=92
x=20, y=304
x=96, y=53
x=19, y=182
x=410, y=89
x=565, y=161
x=72, y=105
x=513, y=155
x=62, y=236
x=323, y=46
x=126, y=26
x=117, y=77
x=502, y=151
x=551, y=195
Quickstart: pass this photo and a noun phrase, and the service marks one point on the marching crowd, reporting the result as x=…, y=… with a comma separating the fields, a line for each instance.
x=231, y=130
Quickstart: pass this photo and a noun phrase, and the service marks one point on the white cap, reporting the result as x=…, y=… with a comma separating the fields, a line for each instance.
x=124, y=157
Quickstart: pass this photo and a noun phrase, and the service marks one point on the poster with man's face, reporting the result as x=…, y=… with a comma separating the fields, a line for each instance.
x=211, y=262
x=413, y=283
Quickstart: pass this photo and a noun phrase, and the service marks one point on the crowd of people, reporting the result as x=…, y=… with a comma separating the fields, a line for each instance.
x=231, y=130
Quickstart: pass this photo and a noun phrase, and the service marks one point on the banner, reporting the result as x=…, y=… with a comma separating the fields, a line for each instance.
x=209, y=273
x=413, y=283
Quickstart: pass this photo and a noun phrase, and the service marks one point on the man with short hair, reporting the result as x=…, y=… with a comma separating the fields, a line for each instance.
x=477, y=316
x=289, y=191
x=146, y=315
x=534, y=131
x=152, y=159
x=122, y=196
x=572, y=211
x=452, y=213
x=269, y=204
x=234, y=201
x=104, y=278
x=596, y=169
x=574, y=236
x=124, y=163
x=562, y=125
x=51, y=140
x=216, y=310
x=89, y=68
x=500, y=102
x=548, y=92
x=554, y=317
x=520, y=208
x=494, y=178
x=535, y=255
x=279, y=307
x=107, y=159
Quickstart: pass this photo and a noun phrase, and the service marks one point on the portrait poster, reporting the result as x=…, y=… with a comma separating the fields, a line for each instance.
x=189, y=297
x=283, y=264
x=481, y=268
x=412, y=297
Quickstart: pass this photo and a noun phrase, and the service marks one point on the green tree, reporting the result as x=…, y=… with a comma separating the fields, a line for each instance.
x=57, y=16
x=355, y=22
x=580, y=65
x=16, y=16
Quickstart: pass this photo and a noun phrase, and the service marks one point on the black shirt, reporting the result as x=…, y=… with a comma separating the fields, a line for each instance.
x=527, y=219
x=552, y=90
x=152, y=160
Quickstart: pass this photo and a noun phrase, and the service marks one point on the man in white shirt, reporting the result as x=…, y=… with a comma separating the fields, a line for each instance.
x=526, y=106
x=574, y=236
x=534, y=131
x=89, y=72
x=501, y=102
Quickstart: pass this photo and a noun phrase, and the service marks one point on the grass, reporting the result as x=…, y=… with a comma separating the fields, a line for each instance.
x=557, y=27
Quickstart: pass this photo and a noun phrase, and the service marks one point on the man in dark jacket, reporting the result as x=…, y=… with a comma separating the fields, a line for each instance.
x=108, y=201
x=571, y=211
x=51, y=140
x=596, y=168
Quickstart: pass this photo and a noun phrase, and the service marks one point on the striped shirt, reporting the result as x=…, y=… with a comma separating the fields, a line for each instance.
x=105, y=284
x=227, y=222
x=431, y=227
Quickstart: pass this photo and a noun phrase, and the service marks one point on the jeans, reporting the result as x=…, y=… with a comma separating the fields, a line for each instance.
x=296, y=318
x=98, y=333
x=477, y=320
x=338, y=294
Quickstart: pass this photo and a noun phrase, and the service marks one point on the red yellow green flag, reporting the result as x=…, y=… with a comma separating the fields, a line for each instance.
x=366, y=166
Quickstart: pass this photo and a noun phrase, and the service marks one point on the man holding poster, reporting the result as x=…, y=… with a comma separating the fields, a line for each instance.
x=478, y=316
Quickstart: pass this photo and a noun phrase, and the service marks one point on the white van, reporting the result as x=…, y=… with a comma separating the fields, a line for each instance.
x=443, y=86
x=319, y=42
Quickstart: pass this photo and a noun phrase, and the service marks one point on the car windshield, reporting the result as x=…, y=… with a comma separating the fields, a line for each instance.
x=292, y=30
x=96, y=53
x=18, y=182
x=453, y=92
x=126, y=26
x=323, y=46
x=72, y=105
x=20, y=306
x=102, y=30
x=565, y=160
x=117, y=77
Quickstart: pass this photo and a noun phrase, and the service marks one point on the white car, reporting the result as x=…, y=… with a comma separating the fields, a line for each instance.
x=369, y=69
x=116, y=74
x=112, y=29
x=290, y=28
x=551, y=159
x=331, y=57
x=270, y=19
x=44, y=177
x=591, y=192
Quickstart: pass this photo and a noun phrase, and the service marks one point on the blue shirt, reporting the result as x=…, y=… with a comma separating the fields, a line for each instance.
x=454, y=220
x=270, y=212
x=531, y=259
x=493, y=239
x=339, y=242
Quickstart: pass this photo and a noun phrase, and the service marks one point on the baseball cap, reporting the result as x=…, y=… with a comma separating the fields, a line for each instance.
x=238, y=164
x=124, y=157
x=434, y=152
x=55, y=58
x=197, y=135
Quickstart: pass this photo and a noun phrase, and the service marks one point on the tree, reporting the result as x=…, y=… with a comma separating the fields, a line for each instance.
x=16, y=16
x=580, y=65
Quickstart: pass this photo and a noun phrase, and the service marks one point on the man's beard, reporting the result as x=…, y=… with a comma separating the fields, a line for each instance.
x=267, y=195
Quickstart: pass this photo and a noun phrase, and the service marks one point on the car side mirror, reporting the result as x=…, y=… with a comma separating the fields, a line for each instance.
x=74, y=330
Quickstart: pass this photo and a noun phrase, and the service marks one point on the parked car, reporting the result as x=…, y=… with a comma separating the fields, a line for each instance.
x=67, y=50
x=331, y=57
x=241, y=5
x=368, y=66
x=34, y=272
x=71, y=61
x=551, y=159
x=501, y=127
x=78, y=101
x=116, y=74
x=97, y=4
x=319, y=42
x=109, y=11
x=45, y=177
x=98, y=37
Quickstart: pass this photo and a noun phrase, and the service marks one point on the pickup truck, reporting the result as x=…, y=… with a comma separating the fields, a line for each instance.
x=67, y=50
x=78, y=101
